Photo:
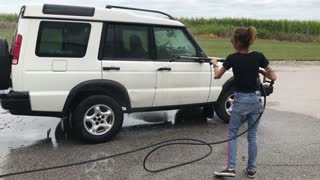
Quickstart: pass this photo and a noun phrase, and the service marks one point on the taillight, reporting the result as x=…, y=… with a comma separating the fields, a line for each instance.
x=16, y=50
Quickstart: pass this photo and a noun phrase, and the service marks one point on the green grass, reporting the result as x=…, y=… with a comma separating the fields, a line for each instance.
x=7, y=26
x=273, y=50
x=8, y=17
x=221, y=47
x=7, y=33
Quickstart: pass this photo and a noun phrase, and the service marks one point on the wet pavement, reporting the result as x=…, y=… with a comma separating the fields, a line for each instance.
x=289, y=142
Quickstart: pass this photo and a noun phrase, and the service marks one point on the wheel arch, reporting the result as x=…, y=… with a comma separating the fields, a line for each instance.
x=220, y=104
x=226, y=86
x=85, y=89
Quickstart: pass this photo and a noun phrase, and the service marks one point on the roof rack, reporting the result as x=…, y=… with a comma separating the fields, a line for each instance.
x=137, y=9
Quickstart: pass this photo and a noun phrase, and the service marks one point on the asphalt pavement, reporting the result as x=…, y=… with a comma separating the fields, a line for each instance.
x=288, y=142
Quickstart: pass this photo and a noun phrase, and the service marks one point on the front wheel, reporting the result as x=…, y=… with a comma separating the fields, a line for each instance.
x=97, y=119
x=225, y=105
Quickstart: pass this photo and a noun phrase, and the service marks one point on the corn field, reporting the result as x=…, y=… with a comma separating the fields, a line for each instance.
x=287, y=30
x=8, y=18
x=267, y=29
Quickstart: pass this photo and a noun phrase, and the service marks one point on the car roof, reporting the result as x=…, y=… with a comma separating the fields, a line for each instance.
x=93, y=14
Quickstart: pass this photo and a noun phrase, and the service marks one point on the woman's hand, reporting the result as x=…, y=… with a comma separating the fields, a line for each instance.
x=214, y=61
x=218, y=73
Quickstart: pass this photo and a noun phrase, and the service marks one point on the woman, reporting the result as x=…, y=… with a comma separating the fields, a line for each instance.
x=246, y=66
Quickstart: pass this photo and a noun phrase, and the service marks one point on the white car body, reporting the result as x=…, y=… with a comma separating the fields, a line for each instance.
x=49, y=80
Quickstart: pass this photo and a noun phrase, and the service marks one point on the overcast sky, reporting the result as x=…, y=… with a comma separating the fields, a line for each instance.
x=262, y=9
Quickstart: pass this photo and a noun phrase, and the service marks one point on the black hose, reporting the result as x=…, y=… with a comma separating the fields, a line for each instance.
x=159, y=145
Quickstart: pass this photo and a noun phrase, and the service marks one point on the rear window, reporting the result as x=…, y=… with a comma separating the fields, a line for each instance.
x=60, y=39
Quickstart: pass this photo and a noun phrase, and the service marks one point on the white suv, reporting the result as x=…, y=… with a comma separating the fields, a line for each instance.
x=89, y=66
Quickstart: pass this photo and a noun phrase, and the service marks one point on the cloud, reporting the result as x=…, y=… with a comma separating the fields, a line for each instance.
x=261, y=9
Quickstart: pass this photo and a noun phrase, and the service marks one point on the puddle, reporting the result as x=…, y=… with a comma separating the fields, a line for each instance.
x=17, y=132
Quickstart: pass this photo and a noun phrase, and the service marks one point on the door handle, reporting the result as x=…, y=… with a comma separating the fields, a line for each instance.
x=111, y=68
x=164, y=69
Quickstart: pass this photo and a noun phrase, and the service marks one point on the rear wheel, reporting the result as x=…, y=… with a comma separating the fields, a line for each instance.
x=225, y=105
x=5, y=65
x=97, y=119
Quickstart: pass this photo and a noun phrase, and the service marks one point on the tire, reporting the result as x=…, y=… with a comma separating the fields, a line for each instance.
x=59, y=133
x=208, y=111
x=5, y=65
x=97, y=119
x=191, y=115
x=225, y=104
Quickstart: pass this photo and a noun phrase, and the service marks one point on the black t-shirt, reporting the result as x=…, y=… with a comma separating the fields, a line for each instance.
x=245, y=69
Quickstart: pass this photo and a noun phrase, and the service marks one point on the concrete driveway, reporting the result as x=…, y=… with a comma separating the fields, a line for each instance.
x=289, y=140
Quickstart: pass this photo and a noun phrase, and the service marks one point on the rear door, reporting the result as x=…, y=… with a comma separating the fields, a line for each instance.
x=182, y=81
x=57, y=56
x=126, y=56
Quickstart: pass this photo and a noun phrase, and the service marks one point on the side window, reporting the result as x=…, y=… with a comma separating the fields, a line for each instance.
x=173, y=42
x=61, y=39
x=126, y=42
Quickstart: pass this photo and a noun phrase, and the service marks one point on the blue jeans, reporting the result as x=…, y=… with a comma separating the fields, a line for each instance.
x=247, y=107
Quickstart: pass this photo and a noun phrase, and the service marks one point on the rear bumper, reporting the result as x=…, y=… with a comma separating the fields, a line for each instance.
x=18, y=103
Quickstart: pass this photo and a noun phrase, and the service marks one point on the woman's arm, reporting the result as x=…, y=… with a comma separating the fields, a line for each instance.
x=218, y=73
x=269, y=73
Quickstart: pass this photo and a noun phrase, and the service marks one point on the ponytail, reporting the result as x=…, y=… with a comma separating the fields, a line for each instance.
x=246, y=36
x=252, y=36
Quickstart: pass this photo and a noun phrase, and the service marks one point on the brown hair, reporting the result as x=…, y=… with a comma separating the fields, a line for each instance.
x=244, y=36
